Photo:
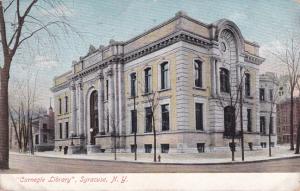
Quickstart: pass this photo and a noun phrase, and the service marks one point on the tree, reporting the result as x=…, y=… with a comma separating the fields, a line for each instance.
x=231, y=101
x=289, y=56
x=274, y=96
x=22, y=16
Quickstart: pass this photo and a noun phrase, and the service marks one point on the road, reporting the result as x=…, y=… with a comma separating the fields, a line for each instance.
x=37, y=164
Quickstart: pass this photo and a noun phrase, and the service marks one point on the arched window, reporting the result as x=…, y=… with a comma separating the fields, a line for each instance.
x=148, y=80
x=164, y=69
x=247, y=84
x=224, y=80
x=198, y=73
x=229, y=121
x=94, y=116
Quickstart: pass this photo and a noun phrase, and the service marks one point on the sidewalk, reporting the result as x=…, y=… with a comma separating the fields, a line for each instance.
x=280, y=152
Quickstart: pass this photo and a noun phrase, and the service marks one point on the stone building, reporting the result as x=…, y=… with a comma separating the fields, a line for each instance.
x=186, y=66
x=43, y=131
x=269, y=96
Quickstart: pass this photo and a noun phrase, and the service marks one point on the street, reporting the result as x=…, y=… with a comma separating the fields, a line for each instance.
x=38, y=164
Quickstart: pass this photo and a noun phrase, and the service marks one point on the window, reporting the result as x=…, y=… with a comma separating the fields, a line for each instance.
x=263, y=125
x=263, y=145
x=198, y=73
x=247, y=84
x=165, y=148
x=272, y=144
x=133, y=121
x=148, y=119
x=148, y=80
x=165, y=117
x=148, y=148
x=271, y=94
x=60, y=131
x=66, y=104
x=133, y=84
x=261, y=94
x=44, y=138
x=106, y=87
x=132, y=148
x=229, y=121
x=107, y=122
x=224, y=80
x=67, y=129
x=201, y=147
x=59, y=105
x=250, y=145
x=44, y=126
x=249, y=120
x=164, y=69
x=199, y=116
x=36, y=139
x=271, y=125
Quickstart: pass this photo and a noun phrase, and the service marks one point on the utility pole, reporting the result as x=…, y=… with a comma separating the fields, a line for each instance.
x=135, y=127
x=241, y=114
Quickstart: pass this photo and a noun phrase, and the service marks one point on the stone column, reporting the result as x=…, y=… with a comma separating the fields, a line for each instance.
x=74, y=110
x=217, y=73
x=213, y=76
x=111, y=95
x=101, y=103
x=81, y=109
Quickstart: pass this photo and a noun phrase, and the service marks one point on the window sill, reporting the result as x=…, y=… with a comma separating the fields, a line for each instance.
x=163, y=90
x=147, y=94
x=148, y=133
x=199, y=88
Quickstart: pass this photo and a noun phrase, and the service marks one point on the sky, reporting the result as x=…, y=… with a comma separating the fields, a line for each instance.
x=97, y=21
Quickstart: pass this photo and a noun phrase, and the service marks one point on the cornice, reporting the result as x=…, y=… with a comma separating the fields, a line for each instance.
x=253, y=58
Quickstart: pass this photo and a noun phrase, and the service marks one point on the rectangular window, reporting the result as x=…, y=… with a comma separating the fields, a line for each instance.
x=44, y=126
x=164, y=75
x=45, y=138
x=67, y=129
x=148, y=148
x=165, y=148
x=60, y=130
x=133, y=121
x=198, y=73
x=263, y=125
x=148, y=119
x=133, y=84
x=148, y=80
x=66, y=104
x=271, y=94
x=106, y=87
x=36, y=139
x=199, y=116
x=249, y=120
x=247, y=84
x=201, y=147
x=272, y=144
x=132, y=148
x=107, y=123
x=59, y=105
x=263, y=145
x=165, y=117
x=261, y=94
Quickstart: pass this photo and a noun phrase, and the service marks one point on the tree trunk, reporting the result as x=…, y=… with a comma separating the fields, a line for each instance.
x=4, y=129
x=270, y=151
x=154, y=138
x=298, y=140
x=292, y=121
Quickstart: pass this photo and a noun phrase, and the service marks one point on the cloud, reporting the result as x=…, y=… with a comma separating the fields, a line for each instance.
x=45, y=62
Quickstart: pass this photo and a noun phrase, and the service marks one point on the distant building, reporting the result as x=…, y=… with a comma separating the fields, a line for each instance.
x=268, y=87
x=43, y=131
x=283, y=120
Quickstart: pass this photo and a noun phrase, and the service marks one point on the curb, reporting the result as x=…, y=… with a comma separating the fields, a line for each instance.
x=169, y=163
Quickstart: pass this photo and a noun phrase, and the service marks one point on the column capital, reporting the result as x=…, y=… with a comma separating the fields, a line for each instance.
x=216, y=57
x=72, y=86
x=109, y=72
x=100, y=75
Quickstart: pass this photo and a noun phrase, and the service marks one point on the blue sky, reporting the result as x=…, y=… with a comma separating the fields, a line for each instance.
x=98, y=21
